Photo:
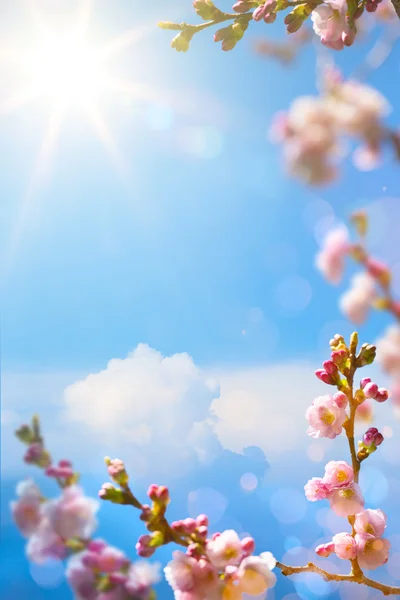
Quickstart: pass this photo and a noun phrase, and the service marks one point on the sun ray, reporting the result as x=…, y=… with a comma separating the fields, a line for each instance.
x=17, y=101
x=126, y=40
x=40, y=171
x=99, y=125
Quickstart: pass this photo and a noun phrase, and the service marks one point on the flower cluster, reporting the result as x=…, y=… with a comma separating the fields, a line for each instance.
x=213, y=566
x=327, y=417
x=370, y=289
x=337, y=486
x=62, y=528
x=366, y=544
x=312, y=130
x=102, y=572
x=334, y=21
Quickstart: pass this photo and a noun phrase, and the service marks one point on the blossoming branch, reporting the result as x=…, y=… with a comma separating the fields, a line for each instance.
x=223, y=567
x=311, y=132
x=62, y=528
x=370, y=288
x=334, y=21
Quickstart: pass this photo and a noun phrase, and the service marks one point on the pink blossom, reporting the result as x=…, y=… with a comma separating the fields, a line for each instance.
x=360, y=110
x=316, y=489
x=255, y=574
x=225, y=549
x=372, y=552
x=331, y=259
x=346, y=501
x=356, y=302
x=81, y=579
x=325, y=550
x=111, y=559
x=329, y=23
x=72, y=515
x=45, y=543
x=388, y=350
x=26, y=510
x=338, y=474
x=370, y=522
x=180, y=572
x=325, y=417
x=345, y=546
x=142, y=575
x=307, y=132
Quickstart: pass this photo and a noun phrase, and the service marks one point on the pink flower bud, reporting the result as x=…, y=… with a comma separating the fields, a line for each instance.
x=330, y=367
x=364, y=382
x=325, y=550
x=382, y=395
x=64, y=464
x=143, y=547
x=338, y=356
x=96, y=546
x=324, y=376
x=341, y=399
x=248, y=545
x=189, y=525
x=202, y=520
x=146, y=513
x=370, y=390
x=202, y=532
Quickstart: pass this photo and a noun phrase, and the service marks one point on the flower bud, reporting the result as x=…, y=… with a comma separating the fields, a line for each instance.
x=370, y=390
x=114, y=495
x=202, y=520
x=366, y=356
x=382, y=395
x=325, y=550
x=117, y=472
x=364, y=382
x=325, y=377
x=341, y=399
x=330, y=367
x=25, y=434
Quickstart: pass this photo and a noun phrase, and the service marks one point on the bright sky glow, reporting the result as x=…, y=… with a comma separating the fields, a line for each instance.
x=66, y=70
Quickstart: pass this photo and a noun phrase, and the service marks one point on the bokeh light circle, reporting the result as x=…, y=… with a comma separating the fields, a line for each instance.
x=249, y=482
x=288, y=505
x=49, y=575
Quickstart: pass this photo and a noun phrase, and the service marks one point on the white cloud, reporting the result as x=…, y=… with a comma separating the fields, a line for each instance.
x=163, y=414
x=153, y=410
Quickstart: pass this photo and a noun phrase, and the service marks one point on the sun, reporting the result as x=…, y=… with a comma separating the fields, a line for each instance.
x=66, y=70
x=60, y=70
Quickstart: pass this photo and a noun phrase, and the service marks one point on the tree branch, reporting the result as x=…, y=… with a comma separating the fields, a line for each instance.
x=396, y=4
x=387, y=590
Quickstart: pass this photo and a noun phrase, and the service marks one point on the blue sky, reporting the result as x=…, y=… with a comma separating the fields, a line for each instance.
x=197, y=244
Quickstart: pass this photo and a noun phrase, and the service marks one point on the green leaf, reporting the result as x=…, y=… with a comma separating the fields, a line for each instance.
x=295, y=19
x=207, y=10
x=181, y=42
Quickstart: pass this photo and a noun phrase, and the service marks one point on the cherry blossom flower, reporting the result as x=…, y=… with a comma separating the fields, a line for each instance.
x=325, y=417
x=338, y=474
x=346, y=501
x=370, y=522
x=316, y=489
x=356, y=302
x=330, y=24
x=372, y=552
x=225, y=549
x=345, y=546
x=72, y=515
x=255, y=574
x=26, y=510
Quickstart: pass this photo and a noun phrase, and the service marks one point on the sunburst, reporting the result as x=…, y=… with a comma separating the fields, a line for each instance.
x=62, y=70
